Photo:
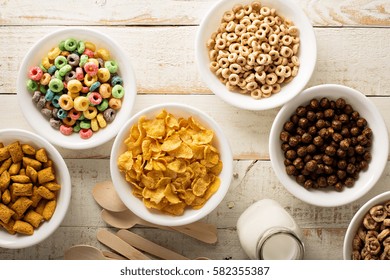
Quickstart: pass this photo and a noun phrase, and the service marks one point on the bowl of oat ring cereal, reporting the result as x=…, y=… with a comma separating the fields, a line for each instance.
x=368, y=234
x=76, y=87
x=35, y=189
x=256, y=55
x=329, y=145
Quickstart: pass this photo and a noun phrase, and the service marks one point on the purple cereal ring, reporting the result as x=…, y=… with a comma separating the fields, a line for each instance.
x=46, y=113
x=36, y=96
x=41, y=102
x=95, y=98
x=35, y=73
x=55, y=123
x=66, y=130
x=85, y=133
x=109, y=115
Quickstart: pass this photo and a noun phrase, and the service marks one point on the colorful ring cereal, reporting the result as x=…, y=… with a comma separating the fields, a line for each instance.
x=77, y=87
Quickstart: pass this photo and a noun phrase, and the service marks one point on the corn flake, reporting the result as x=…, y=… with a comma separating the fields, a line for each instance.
x=171, y=163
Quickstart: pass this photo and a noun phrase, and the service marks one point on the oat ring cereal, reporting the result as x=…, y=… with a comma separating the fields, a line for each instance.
x=254, y=51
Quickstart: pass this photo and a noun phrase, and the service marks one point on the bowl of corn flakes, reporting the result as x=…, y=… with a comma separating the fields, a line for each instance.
x=256, y=55
x=35, y=189
x=171, y=164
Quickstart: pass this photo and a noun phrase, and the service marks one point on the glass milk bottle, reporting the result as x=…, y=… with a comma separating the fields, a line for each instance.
x=267, y=232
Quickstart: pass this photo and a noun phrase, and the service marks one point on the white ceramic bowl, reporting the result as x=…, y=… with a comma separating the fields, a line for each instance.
x=40, y=124
x=18, y=241
x=357, y=221
x=123, y=188
x=379, y=150
x=307, y=54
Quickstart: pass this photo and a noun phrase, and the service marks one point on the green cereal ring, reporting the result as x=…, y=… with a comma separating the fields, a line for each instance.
x=67, y=68
x=112, y=66
x=42, y=89
x=83, y=60
x=103, y=105
x=32, y=85
x=76, y=127
x=80, y=47
x=60, y=61
x=85, y=124
x=43, y=68
x=61, y=45
x=70, y=44
x=81, y=118
x=118, y=91
x=56, y=85
x=57, y=75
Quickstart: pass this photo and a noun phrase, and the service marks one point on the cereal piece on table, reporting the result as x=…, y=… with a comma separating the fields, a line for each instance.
x=48, y=211
x=45, y=193
x=52, y=186
x=4, y=153
x=5, y=213
x=46, y=175
x=5, y=180
x=5, y=165
x=33, y=218
x=32, y=162
x=14, y=168
x=21, y=205
x=23, y=228
x=35, y=197
x=22, y=189
x=32, y=174
x=8, y=226
x=6, y=197
x=23, y=179
x=41, y=155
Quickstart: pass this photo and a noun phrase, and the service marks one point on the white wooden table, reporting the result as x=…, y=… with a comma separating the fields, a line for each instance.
x=353, y=49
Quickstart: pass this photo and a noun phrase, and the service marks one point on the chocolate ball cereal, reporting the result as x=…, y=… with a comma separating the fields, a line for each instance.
x=326, y=143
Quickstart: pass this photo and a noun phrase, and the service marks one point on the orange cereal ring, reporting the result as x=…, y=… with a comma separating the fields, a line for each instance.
x=45, y=79
x=69, y=121
x=66, y=102
x=105, y=90
x=115, y=103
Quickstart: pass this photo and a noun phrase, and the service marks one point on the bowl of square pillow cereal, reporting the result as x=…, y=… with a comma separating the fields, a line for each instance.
x=76, y=87
x=171, y=164
x=256, y=55
x=35, y=189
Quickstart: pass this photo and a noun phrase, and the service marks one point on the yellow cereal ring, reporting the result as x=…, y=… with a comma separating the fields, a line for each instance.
x=74, y=86
x=94, y=61
x=81, y=103
x=101, y=121
x=105, y=90
x=65, y=53
x=94, y=125
x=73, y=95
x=89, y=80
x=53, y=53
x=91, y=46
x=46, y=62
x=90, y=113
x=115, y=103
x=103, y=75
x=103, y=54
x=66, y=102
x=45, y=80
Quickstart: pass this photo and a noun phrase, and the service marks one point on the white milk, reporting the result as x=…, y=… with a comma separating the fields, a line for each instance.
x=267, y=231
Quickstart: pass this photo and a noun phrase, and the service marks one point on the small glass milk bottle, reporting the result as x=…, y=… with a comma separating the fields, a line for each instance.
x=268, y=232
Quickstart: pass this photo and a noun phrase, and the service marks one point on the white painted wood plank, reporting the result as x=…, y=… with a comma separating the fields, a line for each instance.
x=247, y=131
x=353, y=57
x=171, y=12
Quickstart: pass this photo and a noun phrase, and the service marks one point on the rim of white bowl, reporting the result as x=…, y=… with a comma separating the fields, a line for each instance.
x=165, y=219
x=22, y=241
x=357, y=220
x=252, y=104
x=311, y=197
x=73, y=141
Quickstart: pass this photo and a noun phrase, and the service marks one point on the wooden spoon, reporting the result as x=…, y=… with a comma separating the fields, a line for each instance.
x=149, y=246
x=126, y=219
x=113, y=256
x=83, y=252
x=117, y=244
x=105, y=195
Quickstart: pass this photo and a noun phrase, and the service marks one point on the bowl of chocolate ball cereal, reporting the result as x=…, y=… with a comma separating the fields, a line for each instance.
x=256, y=55
x=368, y=234
x=76, y=87
x=329, y=145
